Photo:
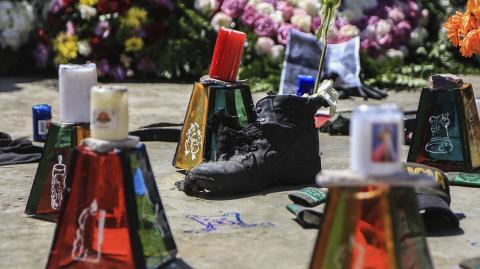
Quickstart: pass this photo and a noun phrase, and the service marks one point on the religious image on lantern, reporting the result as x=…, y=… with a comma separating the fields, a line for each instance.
x=384, y=143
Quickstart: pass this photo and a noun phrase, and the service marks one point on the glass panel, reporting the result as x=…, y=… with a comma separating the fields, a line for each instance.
x=190, y=148
x=93, y=229
x=356, y=232
x=472, y=125
x=153, y=228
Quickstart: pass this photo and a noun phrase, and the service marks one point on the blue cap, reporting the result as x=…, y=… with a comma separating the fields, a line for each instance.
x=305, y=84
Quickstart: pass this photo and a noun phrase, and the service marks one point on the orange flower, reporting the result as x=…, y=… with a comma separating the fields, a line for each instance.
x=454, y=28
x=473, y=6
x=470, y=44
x=469, y=23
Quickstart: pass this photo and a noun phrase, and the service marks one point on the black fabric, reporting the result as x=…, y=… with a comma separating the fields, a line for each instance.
x=434, y=201
x=16, y=151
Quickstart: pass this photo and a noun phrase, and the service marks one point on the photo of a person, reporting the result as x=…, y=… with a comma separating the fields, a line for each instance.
x=384, y=144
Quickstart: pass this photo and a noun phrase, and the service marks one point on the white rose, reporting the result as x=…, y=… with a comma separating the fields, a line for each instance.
x=84, y=47
x=206, y=6
x=221, y=20
x=277, y=52
x=277, y=16
x=395, y=54
x=352, y=14
x=304, y=22
x=264, y=45
x=312, y=7
x=369, y=32
x=383, y=27
x=349, y=30
x=265, y=8
x=87, y=12
x=418, y=36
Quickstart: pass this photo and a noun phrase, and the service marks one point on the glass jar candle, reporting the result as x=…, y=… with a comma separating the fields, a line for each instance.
x=376, y=139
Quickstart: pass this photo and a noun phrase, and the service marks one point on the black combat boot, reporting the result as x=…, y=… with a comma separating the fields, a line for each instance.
x=280, y=148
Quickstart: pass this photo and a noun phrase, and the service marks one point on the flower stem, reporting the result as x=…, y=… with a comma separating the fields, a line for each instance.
x=322, y=34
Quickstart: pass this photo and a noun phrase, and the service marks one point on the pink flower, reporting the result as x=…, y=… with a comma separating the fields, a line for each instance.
x=286, y=9
x=402, y=30
x=233, y=8
x=396, y=15
x=265, y=26
x=249, y=16
x=70, y=28
x=282, y=33
x=316, y=22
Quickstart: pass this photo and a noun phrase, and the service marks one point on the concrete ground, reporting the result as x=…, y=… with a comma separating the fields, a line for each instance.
x=276, y=241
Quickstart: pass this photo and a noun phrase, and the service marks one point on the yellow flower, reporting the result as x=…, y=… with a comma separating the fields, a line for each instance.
x=66, y=47
x=135, y=17
x=88, y=2
x=133, y=44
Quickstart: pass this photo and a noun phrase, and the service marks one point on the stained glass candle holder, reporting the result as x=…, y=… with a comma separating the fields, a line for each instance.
x=112, y=216
x=46, y=195
x=371, y=222
x=213, y=103
x=218, y=99
x=447, y=133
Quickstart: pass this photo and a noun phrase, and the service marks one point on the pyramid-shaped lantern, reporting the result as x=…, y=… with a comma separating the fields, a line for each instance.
x=447, y=133
x=46, y=196
x=218, y=99
x=112, y=215
x=371, y=216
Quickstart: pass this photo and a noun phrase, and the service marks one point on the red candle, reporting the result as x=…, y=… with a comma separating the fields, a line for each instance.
x=227, y=55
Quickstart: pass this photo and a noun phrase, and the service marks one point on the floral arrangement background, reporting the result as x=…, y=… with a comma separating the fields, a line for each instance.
x=402, y=41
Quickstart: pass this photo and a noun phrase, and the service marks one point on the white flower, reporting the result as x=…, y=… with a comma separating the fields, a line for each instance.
x=383, y=27
x=16, y=22
x=277, y=16
x=423, y=21
x=221, y=20
x=395, y=54
x=304, y=22
x=206, y=6
x=265, y=8
x=87, y=12
x=276, y=52
x=312, y=7
x=418, y=36
x=352, y=14
x=264, y=45
x=84, y=47
x=349, y=30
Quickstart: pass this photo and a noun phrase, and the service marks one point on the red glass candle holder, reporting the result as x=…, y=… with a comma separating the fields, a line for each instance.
x=112, y=216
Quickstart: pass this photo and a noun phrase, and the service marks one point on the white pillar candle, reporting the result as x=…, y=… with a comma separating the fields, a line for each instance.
x=376, y=139
x=75, y=82
x=109, y=113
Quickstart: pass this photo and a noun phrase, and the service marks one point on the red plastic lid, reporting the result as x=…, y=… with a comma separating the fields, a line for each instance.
x=227, y=55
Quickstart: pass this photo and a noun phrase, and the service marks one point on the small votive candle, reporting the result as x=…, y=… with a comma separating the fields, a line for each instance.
x=109, y=112
x=75, y=82
x=376, y=139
